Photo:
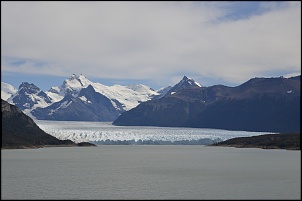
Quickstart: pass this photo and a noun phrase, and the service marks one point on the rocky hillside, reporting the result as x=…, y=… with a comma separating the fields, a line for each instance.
x=289, y=141
x=20, y=131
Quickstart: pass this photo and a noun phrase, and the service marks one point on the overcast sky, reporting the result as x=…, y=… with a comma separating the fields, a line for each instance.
x=154, y=43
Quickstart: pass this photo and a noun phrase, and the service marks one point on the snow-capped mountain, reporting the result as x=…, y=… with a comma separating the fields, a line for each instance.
x=78, y=99
x=29, y=97
x=183, y=84
x=7, y=91
x=123, y=98
x=72, y=85
x=88, y=105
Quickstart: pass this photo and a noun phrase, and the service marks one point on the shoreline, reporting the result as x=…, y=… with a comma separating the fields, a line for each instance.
x=286, y=141
x=257, y=147
x=47, y=146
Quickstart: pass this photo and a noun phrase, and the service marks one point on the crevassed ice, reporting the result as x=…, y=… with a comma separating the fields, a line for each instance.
x=79, y=131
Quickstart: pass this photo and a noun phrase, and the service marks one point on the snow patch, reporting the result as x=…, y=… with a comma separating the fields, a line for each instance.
x=65, y=104
x=128, y=97
x=85, y=100
x=55, y=97
x=197, y=84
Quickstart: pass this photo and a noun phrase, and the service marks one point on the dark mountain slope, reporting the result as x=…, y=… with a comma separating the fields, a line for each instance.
x=20, y=131
x=263, y=113
x=260, y=104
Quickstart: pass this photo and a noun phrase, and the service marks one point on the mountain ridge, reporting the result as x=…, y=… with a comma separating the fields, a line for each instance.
x=41, y=105
x=187, y=103
x=87, y=106
x=260, y=104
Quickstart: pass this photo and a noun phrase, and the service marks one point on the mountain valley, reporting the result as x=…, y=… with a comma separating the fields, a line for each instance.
x=260, y=104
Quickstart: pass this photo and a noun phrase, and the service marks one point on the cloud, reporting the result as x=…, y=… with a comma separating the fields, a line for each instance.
x=150, y=40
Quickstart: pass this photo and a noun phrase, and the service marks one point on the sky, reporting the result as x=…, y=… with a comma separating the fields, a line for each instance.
x=154, y=43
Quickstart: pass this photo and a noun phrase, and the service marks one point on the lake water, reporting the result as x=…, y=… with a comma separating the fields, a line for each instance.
x=150, y=172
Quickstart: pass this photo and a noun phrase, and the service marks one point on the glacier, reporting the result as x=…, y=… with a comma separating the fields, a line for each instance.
x=82, y=131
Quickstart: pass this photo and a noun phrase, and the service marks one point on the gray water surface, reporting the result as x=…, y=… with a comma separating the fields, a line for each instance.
x=150, y=172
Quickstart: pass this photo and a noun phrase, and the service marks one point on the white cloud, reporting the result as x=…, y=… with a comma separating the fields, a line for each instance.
x=149, y=40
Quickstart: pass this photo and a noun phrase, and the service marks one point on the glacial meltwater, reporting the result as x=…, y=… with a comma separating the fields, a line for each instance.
x=150, y=172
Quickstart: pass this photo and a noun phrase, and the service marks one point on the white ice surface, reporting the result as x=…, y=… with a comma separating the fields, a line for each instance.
x=79, y=131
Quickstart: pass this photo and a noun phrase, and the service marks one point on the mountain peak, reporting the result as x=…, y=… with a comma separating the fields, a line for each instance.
x=30, y=96
x=184, y=83
x=190, y=81
x=29, y=88
x=77, y=77
x=76, y=83
x=185, y=78
x=71, y=85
